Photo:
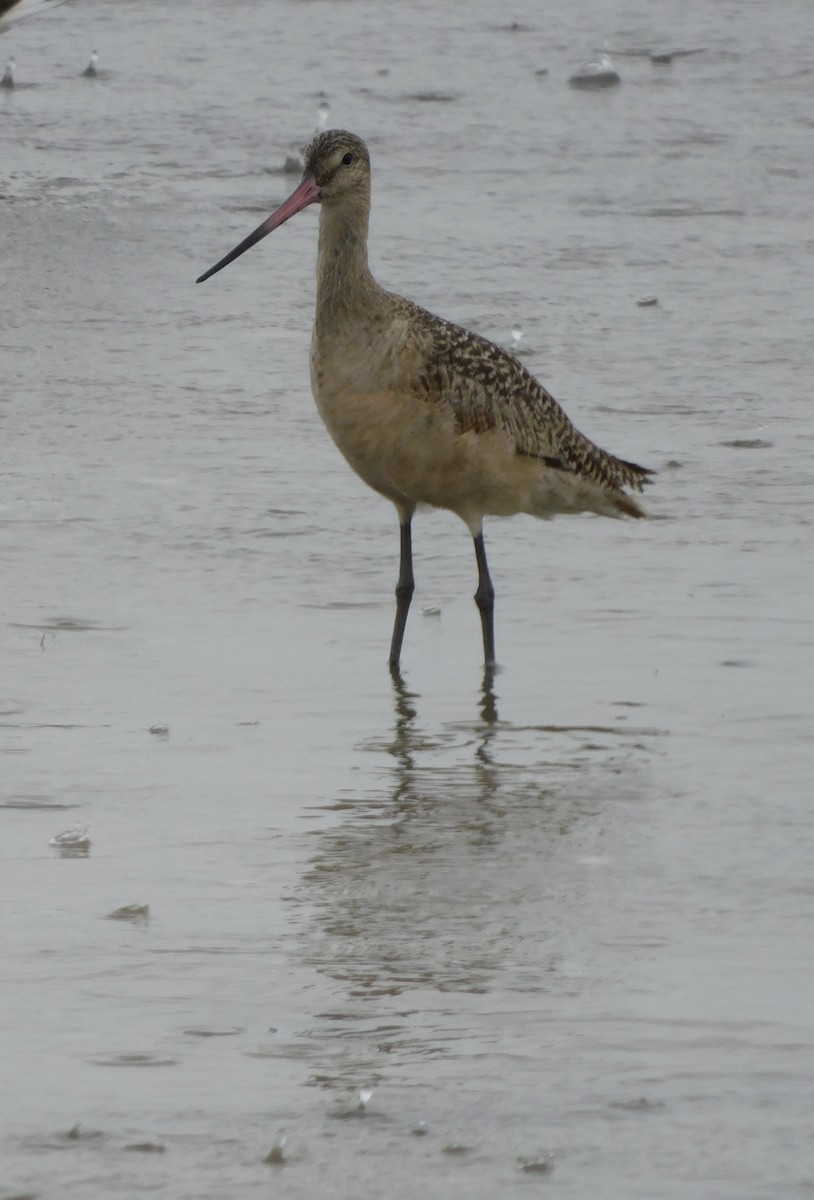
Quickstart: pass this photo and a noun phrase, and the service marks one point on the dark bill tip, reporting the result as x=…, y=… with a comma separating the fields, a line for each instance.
x=301, y=197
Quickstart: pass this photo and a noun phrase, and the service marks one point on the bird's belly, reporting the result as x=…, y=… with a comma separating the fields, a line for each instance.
x=394, y=442
x=411, y=451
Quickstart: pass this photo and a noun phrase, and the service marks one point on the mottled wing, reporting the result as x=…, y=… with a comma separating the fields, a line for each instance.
x=489, y=389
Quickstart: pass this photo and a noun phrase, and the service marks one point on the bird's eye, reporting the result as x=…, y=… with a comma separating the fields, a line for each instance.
x=348, y=159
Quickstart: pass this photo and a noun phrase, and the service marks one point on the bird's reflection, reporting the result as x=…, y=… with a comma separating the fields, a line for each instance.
x=488, y=711
x=448, y=872
x=405, y=717
x=407, y=738
x=400, y=884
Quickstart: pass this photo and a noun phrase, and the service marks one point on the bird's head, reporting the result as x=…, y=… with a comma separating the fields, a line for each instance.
x=339, y=163
x=337, y=168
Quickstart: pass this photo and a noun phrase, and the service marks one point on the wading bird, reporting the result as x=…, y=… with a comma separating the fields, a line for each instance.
x=423, y=410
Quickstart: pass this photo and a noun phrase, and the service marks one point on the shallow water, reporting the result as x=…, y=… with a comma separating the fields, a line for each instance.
x=560, y=924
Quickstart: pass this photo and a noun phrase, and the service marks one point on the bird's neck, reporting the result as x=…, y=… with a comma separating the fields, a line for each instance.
x=344, y=282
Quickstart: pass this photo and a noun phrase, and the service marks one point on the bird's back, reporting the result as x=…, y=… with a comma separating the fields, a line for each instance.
x=488, y=389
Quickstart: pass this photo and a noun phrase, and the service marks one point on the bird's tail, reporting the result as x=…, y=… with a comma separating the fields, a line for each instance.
x=626, y=506
x=630, y=475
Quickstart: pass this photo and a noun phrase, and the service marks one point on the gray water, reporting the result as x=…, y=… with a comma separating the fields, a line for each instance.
x=561, y=927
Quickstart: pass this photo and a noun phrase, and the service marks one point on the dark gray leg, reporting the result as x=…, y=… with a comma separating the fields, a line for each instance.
x=485, y=600
x=404, y=591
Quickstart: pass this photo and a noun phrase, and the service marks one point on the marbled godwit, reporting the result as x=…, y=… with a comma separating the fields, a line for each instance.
x=425, y=411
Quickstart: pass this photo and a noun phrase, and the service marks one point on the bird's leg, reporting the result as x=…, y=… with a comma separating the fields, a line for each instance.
x=404, y=589
x=485, y=600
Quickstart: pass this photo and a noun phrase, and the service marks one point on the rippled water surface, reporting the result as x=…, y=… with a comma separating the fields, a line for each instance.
x=559, y=924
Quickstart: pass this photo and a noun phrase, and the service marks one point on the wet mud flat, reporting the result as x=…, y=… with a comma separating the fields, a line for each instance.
x=270, y=918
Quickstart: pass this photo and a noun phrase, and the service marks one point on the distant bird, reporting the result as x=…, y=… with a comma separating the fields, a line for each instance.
x=8, y=75
x=77, y=837
x=15, y=10
x=323, y=112
x=294, y=162
x=92, y=69
x=598, y=74
x=423, y=410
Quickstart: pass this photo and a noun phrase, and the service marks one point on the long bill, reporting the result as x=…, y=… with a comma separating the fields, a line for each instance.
x=305, y=194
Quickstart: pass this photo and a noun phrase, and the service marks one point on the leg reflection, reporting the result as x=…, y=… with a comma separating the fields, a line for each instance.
x=408, y=740
x=488, y=729
x=403, y=744
x=488, y=699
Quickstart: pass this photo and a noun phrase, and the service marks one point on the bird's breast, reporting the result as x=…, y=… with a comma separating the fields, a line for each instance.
x=368, y=398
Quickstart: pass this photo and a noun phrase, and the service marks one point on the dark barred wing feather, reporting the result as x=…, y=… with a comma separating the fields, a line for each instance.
x=489, y=389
